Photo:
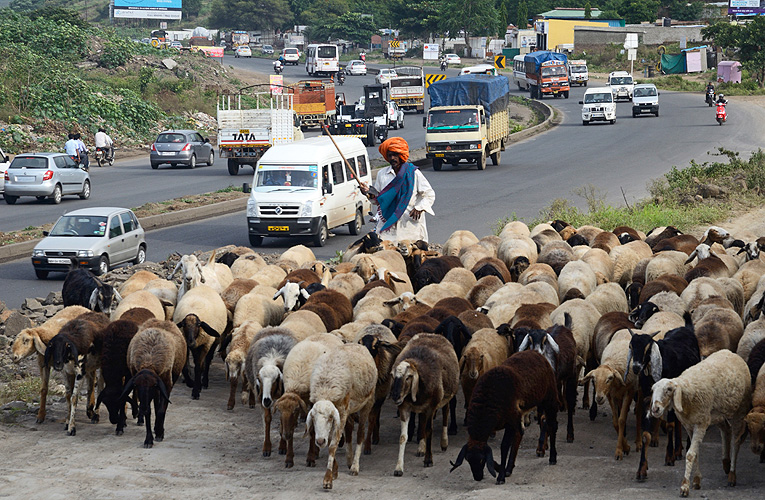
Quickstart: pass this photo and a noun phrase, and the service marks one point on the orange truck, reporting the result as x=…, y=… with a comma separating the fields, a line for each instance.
x=314, y=102
x=547, y=74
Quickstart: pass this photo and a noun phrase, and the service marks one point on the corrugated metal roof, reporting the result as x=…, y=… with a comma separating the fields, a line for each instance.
x=569, y=13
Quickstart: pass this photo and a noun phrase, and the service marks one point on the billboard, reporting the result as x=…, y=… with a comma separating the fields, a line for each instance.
x=746, y=7
x=147, y=9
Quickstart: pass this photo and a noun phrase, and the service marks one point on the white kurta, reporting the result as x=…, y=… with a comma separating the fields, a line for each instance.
x=423, y=198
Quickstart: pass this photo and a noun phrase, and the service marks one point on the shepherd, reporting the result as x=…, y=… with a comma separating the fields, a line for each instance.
x=403, y=194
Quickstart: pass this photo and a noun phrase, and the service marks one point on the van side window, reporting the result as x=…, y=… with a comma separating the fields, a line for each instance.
x=352, y=163
x=337, y=173
x=362, y=161
x=325, y=176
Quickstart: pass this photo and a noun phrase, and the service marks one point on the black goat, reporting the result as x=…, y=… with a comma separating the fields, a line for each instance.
x=433, y=271
x=369, y=243
x=501, y=399
x=652, y=361
x=114, y=370
x=83, y=288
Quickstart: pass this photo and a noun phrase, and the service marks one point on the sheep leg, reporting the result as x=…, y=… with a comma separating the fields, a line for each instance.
x=149, y=441
x=45, y=376
x=421, y=431
x=198, y=368
x=507, y=439
x=413, y=432
x=233, y=385
x=186, y=371
x=672, y=427
x=571, y=404
x=160, y=410
x=453, y=422
x=551, y=422
x=642, y=472
x=586, y=395
x=444, y=428
x=542, y=444
x=738, y=434
x=69, y=386
x=725, y=437
x=655, y=424
x=360, y=434
x=71, y=428
x=208, y=361
x=428, y=414
x=267, y=426
x=374, y=427
x=614, y=413
x=516, y=433
x=313, y=450
x=331, y=472
x=90, y=409
x=692, y=462
x=136, y=408
x=376, y=431
x=678, y=440
x=403, y=438
x=622, y=447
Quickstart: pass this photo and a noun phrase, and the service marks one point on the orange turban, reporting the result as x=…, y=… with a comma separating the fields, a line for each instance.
x=396, y=145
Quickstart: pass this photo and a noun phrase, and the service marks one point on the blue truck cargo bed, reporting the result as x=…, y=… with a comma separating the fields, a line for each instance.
x=492, y=92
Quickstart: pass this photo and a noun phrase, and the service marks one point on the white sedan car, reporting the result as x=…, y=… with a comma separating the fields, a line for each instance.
x=356, y=67
x=243, y=51
x=385, y=75
x=453, y=59
x=395, y=115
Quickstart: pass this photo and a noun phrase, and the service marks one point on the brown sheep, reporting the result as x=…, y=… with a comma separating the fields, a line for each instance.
x=485, y=350
x=333, y=308
x=482, y=290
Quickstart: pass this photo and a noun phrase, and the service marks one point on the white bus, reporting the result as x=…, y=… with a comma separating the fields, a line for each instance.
x=322, y=59
x=519, y=73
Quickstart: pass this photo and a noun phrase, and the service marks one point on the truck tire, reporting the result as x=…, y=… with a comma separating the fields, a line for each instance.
x=370, y=135
x=565, y=94
x=437, y=163
x=495, y=157
x=481, y=163
x=233, y=167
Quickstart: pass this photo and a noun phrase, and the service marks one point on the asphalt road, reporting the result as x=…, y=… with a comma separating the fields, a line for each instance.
x=531, y=174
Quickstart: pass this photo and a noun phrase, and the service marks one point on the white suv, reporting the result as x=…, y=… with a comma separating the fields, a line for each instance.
x=598, y=105
x=621, y=84
x=291, y=56
x=645, y=99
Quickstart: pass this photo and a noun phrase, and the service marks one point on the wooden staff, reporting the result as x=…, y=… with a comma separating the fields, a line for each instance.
x=370, y=189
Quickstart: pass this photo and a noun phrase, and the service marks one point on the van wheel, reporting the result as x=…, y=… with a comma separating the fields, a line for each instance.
x=437, y=163
x=255, y=241
x=354, y=227
x=565, y=94
x=613, y=121
x=495, y=157
x=321, y=237
x=233, y=167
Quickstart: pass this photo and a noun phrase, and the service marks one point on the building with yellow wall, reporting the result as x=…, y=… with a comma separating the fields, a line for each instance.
x=560, y=32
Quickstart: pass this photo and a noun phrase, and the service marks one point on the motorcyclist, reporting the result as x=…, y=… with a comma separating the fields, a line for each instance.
x=721, y=99
x=710, y=87
x=83, y=151
x=341, y=77
x=442, y=60
x=279, y=65
x=72, y=148
x=103, y=141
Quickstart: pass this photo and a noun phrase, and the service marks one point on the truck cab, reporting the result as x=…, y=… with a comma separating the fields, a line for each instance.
x=577, y=72
x=621, y=84
x=455, y=133
x=306, y=189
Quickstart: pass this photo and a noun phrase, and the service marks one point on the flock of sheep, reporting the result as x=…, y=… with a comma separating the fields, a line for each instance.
x=516, y=321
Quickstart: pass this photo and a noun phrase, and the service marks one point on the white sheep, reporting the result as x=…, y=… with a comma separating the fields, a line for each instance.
x=257, y=307
x=599, y=261
x=608, y=297
x=472, y=254
x=303, y=324
x=300, y=254
x=343, y=383
x=662, y=322
x=461, y=277
x=247, y=265
x=539, y=272
x=512, y=248
x=667, y=262
x=502, y=311
x=349, y=332
x=270, y=275
x=372, y=307
x=716, y=391
x=749, y=275
x=457, y=241
x=236, y=356
x=515, y=229
x=137, y=281
x=167, y=293
x=349, y=284
x=755, y=303
x=576, y=280
x=584, y=317
x=367, y=265
x=625, y=259
x=753, y=333
x=140, y=298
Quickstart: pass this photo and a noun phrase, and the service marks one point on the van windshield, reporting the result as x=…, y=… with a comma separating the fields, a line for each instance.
x=645, y=91
x=621, y=80
x=597, y=98
x=286, y=178
x=451, y=120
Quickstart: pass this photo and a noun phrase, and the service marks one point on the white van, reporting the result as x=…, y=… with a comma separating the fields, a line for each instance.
x=305, y=189
x=621, y=84
x=598, y=105
x=645, y=99
x=479, y=69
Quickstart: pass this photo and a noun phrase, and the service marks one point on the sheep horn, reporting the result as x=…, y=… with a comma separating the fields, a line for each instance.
x=525, y=343
x=692, y=256
x=460, y=458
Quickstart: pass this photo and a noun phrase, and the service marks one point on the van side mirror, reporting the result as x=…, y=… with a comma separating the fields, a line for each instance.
x=581, y=102
x=246, y=188
x=207, y=140
x=424, y=121
x=327, y=189
x=46, y=233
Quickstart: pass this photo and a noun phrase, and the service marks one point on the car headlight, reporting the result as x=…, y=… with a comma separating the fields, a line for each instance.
x=85, y=253
x=38, y=253
x=252, y=208
x=306, y=210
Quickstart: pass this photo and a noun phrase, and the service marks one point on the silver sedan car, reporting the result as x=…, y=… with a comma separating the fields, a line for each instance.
x=181, y=147
x=45, y=175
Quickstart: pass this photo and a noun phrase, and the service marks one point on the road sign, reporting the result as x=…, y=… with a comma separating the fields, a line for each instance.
x=431, y=79
x=499, y=62
x=394, y=44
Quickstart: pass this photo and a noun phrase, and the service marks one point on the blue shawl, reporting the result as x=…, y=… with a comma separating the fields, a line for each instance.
x=394, y=198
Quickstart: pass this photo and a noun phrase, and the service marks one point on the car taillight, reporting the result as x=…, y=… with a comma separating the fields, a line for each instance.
x=153, y=147
x=187, y=147
x=48, y=175
x=6, y=177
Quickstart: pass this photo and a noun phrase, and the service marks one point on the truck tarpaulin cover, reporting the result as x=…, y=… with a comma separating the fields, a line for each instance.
x=492, y=92
x=541, y=56
x=672, y=64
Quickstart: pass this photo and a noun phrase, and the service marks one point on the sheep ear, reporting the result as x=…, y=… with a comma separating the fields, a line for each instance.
x=415, y=385
x=677, y=398
x=93, y=299
x=304, y=293
x=308, y=423
x=525, y=343
x=336, y=416
x=692, y=256
x=303, y=406
x=39, y=344
x=656, y=362
x=567, y=321
x=47, y=356
x=178, y=266
x=552, y=343
x=279, y=293
x=208, y=330
x=490, y=464
x=589, y=376
x=395, y=278
x=163, y=390
x=459, y=460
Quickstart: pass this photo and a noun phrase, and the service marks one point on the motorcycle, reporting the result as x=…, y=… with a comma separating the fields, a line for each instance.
x=341, y=77
x=79, y=163
x=443, y=65
x=102, y=157
x=710, y=99
x=278, y=67
x=721, y=114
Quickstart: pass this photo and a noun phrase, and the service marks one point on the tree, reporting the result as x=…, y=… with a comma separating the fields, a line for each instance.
x=26, y=5
x=354, y=27
x=191, y=8
x=637, y=11
x=747, y=38
x=683, y=10
x=250, y=14
x=587, y=10
x=523, y=16
x=322, y=15
x=415, y=18
x=477, y=17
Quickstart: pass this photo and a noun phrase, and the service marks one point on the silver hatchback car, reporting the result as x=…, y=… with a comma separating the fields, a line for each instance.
x=45, y=175
x=181, y=147
x=95, y=238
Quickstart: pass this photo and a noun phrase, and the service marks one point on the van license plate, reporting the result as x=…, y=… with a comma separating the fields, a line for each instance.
x=439, y=155
x=278, y=228
x=52, y=260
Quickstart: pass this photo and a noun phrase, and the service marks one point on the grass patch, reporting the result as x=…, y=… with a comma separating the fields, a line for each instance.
x=25, y=389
